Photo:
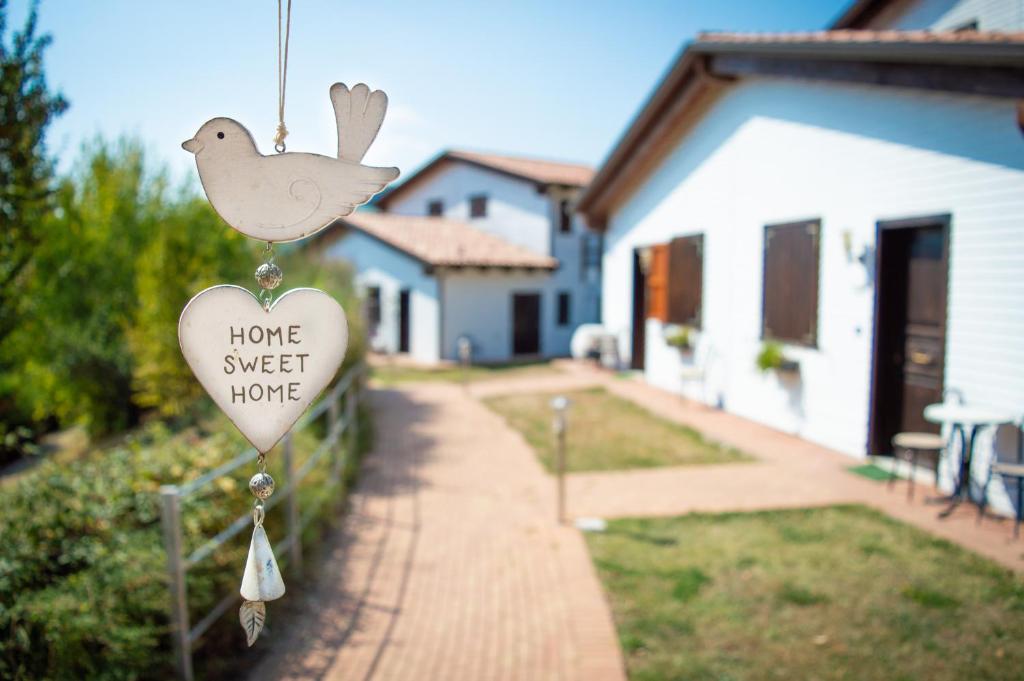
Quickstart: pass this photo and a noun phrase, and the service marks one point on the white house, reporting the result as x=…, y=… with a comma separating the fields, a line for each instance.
x=479, y=246
x=856, y=194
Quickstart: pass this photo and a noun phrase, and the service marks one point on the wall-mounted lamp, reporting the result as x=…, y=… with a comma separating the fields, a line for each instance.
x=848, y=244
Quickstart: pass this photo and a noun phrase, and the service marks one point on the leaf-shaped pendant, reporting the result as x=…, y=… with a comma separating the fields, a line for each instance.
x=251, y=615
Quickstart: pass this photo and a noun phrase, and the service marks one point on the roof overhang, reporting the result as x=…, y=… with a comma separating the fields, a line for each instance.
x=708, y=66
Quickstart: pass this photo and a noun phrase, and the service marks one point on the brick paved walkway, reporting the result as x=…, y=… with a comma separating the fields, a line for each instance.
x=452, y=566
x=789, y=473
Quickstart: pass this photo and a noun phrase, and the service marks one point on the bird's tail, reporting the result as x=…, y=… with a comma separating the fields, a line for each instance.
x=360, y=113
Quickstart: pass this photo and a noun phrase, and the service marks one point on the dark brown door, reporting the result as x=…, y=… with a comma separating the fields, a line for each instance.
x=403, y=320
x=526, y=323
x=910, y=326
x=638, y=342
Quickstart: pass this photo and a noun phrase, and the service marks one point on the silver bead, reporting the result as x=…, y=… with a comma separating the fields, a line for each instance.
x=269, y=276
x=261, y=485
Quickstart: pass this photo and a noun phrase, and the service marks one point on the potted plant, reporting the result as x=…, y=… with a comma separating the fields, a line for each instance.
x=773, y=358
x=680, y=337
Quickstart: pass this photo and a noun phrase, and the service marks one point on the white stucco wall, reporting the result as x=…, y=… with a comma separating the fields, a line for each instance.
x=948, y=15
x=475, y=302
x=377, y=264
x=479, y=304
x=772, y=151
x=515, y=210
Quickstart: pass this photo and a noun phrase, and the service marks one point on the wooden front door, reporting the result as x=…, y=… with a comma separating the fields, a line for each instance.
x=639, y=340
x=910, y=326
x=403, y=320
x=525, y=323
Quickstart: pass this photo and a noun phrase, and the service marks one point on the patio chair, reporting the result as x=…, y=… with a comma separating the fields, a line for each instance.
x=1014, y=471
x=912, y=444
x=698, y=371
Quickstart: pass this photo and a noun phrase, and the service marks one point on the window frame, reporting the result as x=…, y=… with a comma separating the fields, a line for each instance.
x=475, y=201
x=812, y=340
x=566, y=298
x=564, y=217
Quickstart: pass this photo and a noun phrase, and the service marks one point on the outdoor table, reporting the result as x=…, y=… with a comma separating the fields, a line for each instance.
x=966, y=421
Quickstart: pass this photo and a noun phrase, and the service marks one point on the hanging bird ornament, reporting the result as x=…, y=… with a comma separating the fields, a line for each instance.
x=264, y=361
x=288, y=196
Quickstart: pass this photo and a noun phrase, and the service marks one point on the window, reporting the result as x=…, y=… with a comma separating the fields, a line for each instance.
x=372, y=309
x=685, y=279
x=478, y=206
x=657, y=283
x=790, y=306
x=971, y=25
x=563, y=308
x=590, y=260
x=564, y=217
x=435, y=207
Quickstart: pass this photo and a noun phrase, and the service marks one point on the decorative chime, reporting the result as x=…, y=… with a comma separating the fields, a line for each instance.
x=264, y=361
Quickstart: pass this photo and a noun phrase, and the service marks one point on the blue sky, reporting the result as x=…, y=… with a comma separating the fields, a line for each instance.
x=552, y=79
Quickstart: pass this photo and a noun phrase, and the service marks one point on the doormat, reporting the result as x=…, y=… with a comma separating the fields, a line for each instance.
x=870, y=471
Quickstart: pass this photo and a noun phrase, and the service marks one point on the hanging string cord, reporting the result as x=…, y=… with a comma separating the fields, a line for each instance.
x=282, y=74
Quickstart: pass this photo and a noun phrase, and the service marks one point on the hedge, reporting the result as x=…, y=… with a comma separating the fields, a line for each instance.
x=83, y=587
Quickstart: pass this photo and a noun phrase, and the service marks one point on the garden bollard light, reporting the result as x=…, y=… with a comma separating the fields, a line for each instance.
x=560, y=404
x=465, y=349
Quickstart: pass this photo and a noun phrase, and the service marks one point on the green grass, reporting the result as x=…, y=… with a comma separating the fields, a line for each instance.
x=834, y=593
x=606, y=432
x=393, y=374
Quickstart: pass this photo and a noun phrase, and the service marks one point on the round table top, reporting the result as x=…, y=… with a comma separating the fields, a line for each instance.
x=965, y=415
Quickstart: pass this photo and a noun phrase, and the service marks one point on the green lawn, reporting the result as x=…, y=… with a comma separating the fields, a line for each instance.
x=390, y=375
x=606, y=432
x=836, y=593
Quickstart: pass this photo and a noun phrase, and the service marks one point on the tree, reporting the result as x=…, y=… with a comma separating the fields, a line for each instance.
x=79, y=294
x=27, y=108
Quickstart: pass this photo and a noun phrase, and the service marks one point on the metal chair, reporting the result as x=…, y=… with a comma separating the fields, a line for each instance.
x=1006, y=470
x=698, y=370
x=911, y=445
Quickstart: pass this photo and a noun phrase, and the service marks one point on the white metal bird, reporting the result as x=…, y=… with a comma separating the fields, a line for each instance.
x=288, y=196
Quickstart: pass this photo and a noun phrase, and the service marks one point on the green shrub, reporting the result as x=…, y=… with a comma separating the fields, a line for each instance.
x=770, y=357
x=83, y=590
x=680, y=338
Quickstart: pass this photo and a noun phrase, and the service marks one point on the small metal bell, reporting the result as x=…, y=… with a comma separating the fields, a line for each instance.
x=261, y=485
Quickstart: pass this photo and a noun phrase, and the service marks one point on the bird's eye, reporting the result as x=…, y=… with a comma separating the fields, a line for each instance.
x=220, y=135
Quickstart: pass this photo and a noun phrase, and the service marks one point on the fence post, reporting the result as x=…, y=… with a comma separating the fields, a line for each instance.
x=291, y=502
x=170, y=517
x=333, y=414
x=350, y=415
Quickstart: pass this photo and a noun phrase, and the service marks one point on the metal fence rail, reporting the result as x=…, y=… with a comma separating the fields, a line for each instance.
x=345, y=394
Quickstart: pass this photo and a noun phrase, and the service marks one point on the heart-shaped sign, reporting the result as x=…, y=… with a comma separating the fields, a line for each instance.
x=263, y=367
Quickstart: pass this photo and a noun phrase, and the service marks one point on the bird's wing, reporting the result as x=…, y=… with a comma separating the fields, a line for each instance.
x=354, y=185
x=360, y=114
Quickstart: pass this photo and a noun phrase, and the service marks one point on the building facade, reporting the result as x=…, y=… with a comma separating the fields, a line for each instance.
x=853, y=199
x=476, y=246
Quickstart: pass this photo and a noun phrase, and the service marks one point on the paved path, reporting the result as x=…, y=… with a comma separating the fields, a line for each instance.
x=789, y=473
x=451, y=565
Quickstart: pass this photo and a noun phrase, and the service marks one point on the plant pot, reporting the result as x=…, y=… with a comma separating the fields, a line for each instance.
x=789, y=367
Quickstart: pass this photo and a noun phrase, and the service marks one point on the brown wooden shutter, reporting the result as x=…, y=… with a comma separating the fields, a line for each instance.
x=790, y=310
x=657, y=283
x=685, y=279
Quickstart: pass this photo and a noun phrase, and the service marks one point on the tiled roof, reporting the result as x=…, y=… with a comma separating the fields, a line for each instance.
x=534, y=170
x=444, y=242
x=863, y=37
x=538, y=170
x=970, y=62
